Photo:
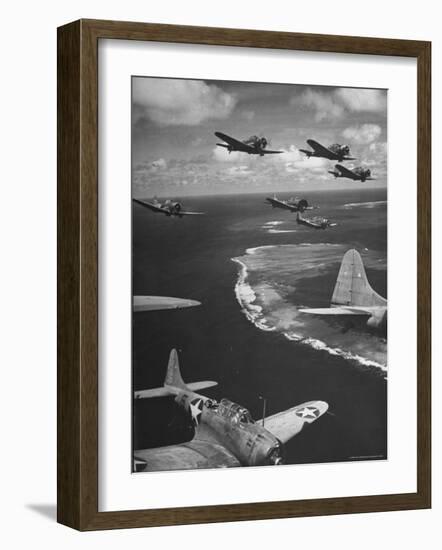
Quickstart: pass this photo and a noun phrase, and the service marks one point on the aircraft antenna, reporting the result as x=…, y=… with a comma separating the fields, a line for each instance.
x=264, y=407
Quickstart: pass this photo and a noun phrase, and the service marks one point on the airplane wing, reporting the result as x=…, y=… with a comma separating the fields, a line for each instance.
x=320, y=149
x=151, y=206
x=336, y=311
x=185, y=456
x=267, y=152
x=287, y=424
x=156, y=303
x=345, y=172
x=234, y=143
x=277, y=202
x=181, y=213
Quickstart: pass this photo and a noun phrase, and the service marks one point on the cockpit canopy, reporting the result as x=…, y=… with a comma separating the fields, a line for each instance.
x=234, y=412
x=338, y=148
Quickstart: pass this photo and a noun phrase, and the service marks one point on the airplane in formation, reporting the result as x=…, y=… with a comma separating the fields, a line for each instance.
x=293, y=204
x=333, y=152
x=158, y=303
x=353, y=294
x=225, y=435
x=168, y=207
x=254, y=145
x=357, y=174
x=317, y=222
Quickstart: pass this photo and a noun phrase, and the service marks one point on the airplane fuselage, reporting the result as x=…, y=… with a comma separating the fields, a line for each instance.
x=232, y=427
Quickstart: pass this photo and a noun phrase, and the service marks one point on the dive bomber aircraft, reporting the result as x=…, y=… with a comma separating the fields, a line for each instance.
x=317, y=222
x=353, y=294
x=225, y=433
x=168, y=207
x=254, y=145
x=357, y=174
x=293, y=204
x=333, y=152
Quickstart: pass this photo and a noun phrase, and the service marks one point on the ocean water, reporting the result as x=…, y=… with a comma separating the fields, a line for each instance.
x=253, y=268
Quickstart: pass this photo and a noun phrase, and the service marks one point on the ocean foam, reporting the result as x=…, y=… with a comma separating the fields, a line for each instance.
x=371, y=204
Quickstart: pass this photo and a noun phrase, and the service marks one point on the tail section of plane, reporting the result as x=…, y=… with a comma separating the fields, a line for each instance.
x=173, y=375
x=174, y=383
x=352, y=287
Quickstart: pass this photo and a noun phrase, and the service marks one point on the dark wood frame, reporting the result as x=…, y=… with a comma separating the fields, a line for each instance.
x=77, y=459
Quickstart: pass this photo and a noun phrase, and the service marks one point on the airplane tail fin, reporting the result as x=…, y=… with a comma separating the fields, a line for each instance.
x=352, y=287
x=173, y=375
x=174, y=383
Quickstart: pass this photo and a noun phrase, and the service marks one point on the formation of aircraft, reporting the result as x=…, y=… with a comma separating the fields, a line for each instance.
x=353, y=294
x=158, y=303
x=317, y=222
x=168, y=207
x=333, y=152
x=357, y=174
x=225, y=435
x=254, y=145
x=293, y=204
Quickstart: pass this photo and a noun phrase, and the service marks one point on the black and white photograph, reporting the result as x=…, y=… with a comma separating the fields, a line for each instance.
x=259, y=274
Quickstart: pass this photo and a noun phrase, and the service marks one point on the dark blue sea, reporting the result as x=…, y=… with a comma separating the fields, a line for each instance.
x=253, y=268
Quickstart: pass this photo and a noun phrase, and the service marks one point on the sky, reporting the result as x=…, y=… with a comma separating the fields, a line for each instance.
x=174, y=150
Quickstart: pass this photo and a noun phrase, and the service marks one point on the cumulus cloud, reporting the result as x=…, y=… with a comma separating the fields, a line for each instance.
x=247, y=115
x=296, y=161
x=322, y=102
x=379, y=148
x=335, y=104
x=355, y=99
x=180, y=102
x=221, y=154
x=363, y=134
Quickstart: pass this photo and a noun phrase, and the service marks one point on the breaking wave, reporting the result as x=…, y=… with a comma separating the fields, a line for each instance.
x=270, y=289
x=371, y=204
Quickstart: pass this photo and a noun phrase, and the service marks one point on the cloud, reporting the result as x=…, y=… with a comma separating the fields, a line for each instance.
x=379, y=148
x=355, y=99
x=363, y=134
x=180, y=102
x=247, y=115
x=239, y=171
x=335, y=104
x=296, y=161
x=322, y=102
x=221, y=154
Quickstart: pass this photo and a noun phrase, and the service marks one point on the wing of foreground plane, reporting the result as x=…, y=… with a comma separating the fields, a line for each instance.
x=287, y=424
x=234, y=143
x=186, y=456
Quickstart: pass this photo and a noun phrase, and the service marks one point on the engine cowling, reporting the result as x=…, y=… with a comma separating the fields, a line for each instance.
x=302, y=205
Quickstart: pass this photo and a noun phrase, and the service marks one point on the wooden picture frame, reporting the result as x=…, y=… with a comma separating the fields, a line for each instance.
x=78, y=273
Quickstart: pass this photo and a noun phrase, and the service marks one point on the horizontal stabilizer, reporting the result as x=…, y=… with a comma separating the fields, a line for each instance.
x=154, y=392
x=287, y=424
x=204, y=384
x=173, y=383
x=333, y=311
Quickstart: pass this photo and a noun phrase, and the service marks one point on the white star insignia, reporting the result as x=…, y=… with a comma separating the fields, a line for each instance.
x=195, y=410
x=308, y=412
